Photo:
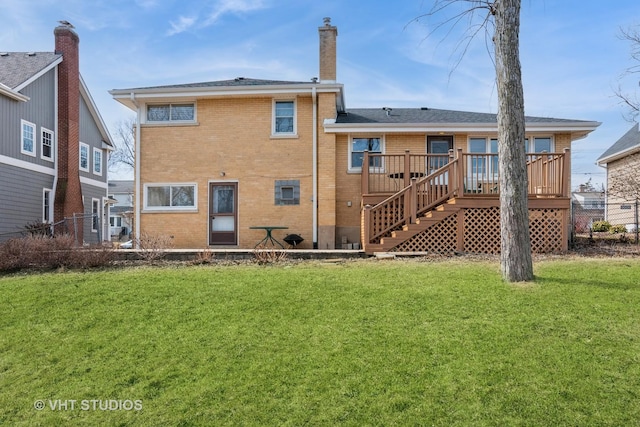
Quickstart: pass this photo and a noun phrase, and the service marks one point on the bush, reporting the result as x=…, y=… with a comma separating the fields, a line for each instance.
x=269, y=256
x=600, y=226
x=38, y=251
x=152, y=247
x=620, y=228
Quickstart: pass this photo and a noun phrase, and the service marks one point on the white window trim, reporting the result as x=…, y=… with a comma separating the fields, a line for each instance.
x=374, y=169
x=293, y=134
x=44, y=214
x=531, y=143
x=169, y=122
x=93, y=161
x=53, y=144
x=99, y=214
x=147, y=208
x=82, y=144
x=35, y=138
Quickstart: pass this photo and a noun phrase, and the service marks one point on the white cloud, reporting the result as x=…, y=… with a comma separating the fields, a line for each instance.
x=183, y=24
x=223, y=7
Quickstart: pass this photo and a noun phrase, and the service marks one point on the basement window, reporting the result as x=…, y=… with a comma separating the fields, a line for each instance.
x=287, y=192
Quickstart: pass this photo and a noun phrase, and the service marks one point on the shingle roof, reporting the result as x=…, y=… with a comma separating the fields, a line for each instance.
x=629, y=140
x=239, y=81
x=120, y=186
x=18, y=67
x=428, y=115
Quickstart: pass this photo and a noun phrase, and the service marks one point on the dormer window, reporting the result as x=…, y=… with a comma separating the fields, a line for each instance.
x=160, y=113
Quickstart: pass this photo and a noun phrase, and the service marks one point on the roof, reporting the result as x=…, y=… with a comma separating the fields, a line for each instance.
x=437, y=120
x=18, y=67
x=238, y=81
x=120, y=186
x=429, y=115
x=629, y=143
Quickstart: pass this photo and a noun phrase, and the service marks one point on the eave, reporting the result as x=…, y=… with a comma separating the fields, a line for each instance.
x=127, y=96
x=617, y=156
x=17, y=96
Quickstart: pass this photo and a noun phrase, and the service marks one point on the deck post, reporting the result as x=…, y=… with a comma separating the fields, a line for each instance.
x=566, y=172
x=364, y=174
x=407, y=168
x=366, y=232
x=460, y=173
x=413, y=201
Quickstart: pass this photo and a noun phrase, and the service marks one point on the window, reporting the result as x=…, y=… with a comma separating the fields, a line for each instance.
x=359, y=146
x=284, y=118
x=115, y=221
x=539, y=144
x=97, y=161
x=84, y=157
x=47, y=144
x=27, y=138
x=46, y=205
x=171, y=113
x=95, y=215
x=479, y=165
x=170, y=196
x=287, y=192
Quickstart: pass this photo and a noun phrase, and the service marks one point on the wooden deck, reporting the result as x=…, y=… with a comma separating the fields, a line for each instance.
x=455, y=207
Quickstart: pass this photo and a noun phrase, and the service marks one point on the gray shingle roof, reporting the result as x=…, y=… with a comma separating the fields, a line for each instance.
x=120, y=186
x=18, y=67
x=628, y=141
x=239, y=81
x=428, y=115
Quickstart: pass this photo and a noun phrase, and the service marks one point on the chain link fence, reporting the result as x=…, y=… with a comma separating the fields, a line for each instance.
x=69, y=226
x=606, y=222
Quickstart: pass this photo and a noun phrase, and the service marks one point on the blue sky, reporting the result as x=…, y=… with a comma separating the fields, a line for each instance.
x=571, y=53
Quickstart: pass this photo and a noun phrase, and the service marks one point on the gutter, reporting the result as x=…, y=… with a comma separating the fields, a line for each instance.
x=314, y=132
x=136, y=184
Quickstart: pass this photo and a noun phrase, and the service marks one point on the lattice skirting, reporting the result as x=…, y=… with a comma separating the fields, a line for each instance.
x=481, y=232
x=439, y=238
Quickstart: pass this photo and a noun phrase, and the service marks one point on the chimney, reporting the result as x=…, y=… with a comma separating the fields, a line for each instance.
x=328, y=35
x=68, y=197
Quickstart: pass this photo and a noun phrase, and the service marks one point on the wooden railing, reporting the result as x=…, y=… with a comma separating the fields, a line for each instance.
x=425, y=186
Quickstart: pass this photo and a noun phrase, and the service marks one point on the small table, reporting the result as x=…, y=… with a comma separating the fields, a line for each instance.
x=268, y=237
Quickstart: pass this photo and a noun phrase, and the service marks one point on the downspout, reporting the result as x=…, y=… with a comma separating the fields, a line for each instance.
x=137, y=186
x=52, y=202
x=314, y=97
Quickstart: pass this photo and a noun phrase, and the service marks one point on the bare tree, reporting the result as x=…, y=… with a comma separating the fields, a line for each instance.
x=123, y=154
x=515, y=248
x=630, y=99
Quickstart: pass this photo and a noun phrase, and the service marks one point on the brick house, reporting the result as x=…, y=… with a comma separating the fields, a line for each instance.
x=218, y=158
x=622, y=161
x=53, y=144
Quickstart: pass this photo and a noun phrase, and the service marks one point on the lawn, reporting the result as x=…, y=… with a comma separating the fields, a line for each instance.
x=354, y=343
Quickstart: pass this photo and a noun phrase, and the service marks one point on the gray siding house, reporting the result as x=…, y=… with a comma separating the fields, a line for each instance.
x=54, y=145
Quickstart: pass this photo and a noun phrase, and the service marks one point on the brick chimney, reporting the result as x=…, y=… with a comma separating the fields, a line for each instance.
x=68, y=197
x=328, y=35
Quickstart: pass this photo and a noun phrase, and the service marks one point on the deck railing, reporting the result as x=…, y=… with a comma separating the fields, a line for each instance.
x=419, y=183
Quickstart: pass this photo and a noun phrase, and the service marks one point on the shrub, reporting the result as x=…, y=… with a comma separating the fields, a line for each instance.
x=152, y=247
x=268, y=256
x=600, y=226
x=38, y=228
x=620, y=228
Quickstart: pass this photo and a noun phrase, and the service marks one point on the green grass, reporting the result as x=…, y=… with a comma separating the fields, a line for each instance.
x=359, y=343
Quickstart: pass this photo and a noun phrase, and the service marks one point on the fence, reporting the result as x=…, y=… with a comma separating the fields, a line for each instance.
x=71, y=226
x=606, y=221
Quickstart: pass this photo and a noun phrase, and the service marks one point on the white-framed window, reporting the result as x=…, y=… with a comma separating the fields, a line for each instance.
x=84, y=157
x=539, y=144
x=97, y=161
x=95, y=215
x=159, y=113
x=357, y=147
x=46, y=138
x=47, y=205
x=174, y=196
x=115, y=221
x=284, y=117
x=479, y=164
x=27, y=138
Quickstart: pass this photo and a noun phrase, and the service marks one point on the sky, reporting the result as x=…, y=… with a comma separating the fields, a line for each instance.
x=571, y=52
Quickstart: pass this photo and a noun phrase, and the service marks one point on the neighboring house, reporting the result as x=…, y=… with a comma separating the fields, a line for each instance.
x=121, y=209
x=217, y=158
x=622, y=161
x=53, y=144
x=588, y=207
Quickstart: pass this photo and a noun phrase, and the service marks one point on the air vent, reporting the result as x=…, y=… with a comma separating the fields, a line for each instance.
x=425, y=108
x=4, y=53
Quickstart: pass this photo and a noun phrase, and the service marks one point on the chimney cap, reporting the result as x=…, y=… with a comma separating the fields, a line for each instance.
x=327, y=21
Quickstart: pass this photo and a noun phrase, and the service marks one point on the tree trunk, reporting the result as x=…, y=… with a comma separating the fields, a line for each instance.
x=515, y=244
